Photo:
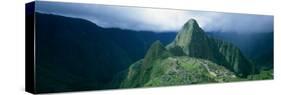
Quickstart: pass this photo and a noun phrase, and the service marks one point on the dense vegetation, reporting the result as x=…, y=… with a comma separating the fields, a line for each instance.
x=75, y=54
x=192, y=58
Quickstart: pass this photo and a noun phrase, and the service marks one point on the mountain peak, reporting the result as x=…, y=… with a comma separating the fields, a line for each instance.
x=191, y=20
x=189, y=31
x=191, y=23
x=195, y=43
x=156, y=50
x=157, y=43
x=190, y=27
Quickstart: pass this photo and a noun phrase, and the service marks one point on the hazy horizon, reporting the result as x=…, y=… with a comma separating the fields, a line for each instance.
x=157, y=20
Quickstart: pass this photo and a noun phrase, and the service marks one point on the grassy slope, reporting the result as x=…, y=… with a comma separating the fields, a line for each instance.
x=162, y=68
x=177, y=71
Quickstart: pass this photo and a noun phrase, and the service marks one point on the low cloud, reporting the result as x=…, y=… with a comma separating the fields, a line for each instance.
x=158, y=20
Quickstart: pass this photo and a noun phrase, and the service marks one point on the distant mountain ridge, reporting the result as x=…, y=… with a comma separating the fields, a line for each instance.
x=75, y=54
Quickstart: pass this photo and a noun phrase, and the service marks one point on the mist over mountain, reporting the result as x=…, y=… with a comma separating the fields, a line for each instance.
x=157, y=19
x=76, y=54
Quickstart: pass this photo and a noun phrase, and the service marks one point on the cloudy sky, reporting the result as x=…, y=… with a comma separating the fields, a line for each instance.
x=158, y=20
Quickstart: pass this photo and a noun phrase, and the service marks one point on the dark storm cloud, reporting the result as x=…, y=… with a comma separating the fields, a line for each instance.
x=158, y=20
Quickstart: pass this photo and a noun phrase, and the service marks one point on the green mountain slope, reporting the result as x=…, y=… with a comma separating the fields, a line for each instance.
x=192, y=58
x=195, y=43
x=139, y=72
x=235, y=60
x=163, y=69
x=74, y=54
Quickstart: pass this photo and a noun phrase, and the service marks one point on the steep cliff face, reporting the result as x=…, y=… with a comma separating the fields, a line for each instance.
x=192, y=58
x=236, y=61
x=195, y=43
